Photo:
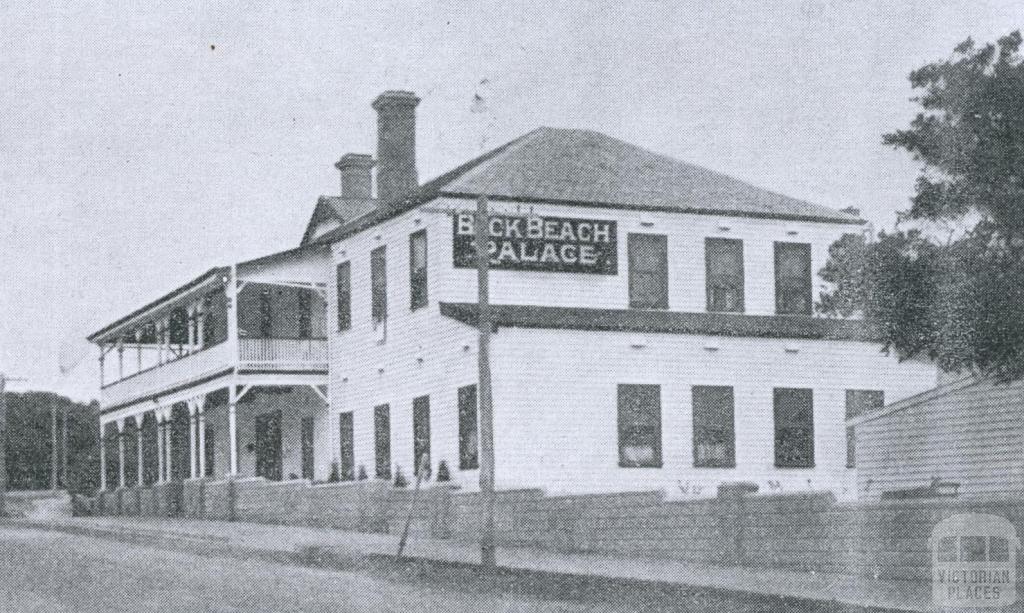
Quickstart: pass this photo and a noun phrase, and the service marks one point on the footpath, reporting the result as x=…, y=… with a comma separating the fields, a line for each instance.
x=345, y=550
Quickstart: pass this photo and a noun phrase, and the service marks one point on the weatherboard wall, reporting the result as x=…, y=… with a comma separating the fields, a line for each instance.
x=973, y=436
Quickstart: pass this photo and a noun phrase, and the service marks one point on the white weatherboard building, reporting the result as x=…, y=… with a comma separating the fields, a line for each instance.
x=654, y=330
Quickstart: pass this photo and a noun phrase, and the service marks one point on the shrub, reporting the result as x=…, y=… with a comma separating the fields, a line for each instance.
x=400, y=480
x=442, y=472
x=362, y=473
x=334, y=477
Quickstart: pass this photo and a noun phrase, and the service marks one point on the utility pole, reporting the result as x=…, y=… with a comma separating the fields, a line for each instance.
x=3, y=438
x=53, y=443
x=483, y=256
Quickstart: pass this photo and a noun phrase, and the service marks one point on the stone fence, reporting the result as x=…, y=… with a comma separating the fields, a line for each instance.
x=808, y=532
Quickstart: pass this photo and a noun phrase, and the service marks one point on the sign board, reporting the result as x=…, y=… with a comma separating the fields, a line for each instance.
x=551, y=244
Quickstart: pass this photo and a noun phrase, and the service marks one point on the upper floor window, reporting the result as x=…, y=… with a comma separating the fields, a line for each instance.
x=714, y=435
x=859, y=402
x=639, y=425
x=344, y=287
x=792, y=278
x=648, y=271
x=418, y=269
x=266, y=313
x=305, y=298
x=724, y=265
x=794, y=428
x=379, y=284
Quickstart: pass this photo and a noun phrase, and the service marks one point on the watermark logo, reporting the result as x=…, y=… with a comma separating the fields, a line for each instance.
x=974, y=561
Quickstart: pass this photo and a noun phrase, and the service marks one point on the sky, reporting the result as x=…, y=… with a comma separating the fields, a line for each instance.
x=141, y=145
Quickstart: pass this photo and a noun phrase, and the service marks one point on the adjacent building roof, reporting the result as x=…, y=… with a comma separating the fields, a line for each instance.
x=668, y=322
x=586, y=168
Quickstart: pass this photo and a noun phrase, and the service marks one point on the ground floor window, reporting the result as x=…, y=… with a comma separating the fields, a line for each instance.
x=794, y=428
x=346, y=447
x=420, y=432
x=714, y=436
x=859, y=402
x=469, y=441
x=210, y=444
x=382, y=440
x=307, y=448
x=639, y=425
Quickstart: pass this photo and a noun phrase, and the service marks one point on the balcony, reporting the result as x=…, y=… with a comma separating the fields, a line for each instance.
x=282, y=354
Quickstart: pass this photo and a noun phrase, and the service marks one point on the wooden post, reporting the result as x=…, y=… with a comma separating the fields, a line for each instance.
x=159, y=447
x=487, y=539
x=201, y=416
x=232, y=430
x=138, y=449
x=120, y=454
x=103, y=457
x=54, y=445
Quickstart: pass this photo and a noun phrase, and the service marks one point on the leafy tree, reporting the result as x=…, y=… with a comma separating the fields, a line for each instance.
x=959, y=301
x=29, y=443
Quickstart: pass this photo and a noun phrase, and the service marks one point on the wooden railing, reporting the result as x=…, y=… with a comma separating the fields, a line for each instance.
x=283, y=352
x=183, y=370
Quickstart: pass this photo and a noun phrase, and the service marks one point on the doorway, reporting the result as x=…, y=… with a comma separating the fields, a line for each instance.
x=268, y=446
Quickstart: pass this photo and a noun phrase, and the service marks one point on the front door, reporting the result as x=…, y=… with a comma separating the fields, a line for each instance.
x=268, y=446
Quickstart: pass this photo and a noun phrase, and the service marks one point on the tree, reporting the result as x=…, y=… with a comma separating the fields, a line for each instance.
x=959, y=301
x=29, y=441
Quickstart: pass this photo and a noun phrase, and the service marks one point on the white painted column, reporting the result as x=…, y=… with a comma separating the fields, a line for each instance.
x=233, y=430
x=193, y=438
x=138, y=448
x=159, y=447
x=120, y=454
x=103, y=457
x=201, y=416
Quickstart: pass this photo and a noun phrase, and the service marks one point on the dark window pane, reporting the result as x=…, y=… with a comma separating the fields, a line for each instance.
x=714, y=439
x=639, y=409
x=305, y=298
x=793, y=278
x=859, y=402
x=724, y=264
x=346, y=444
x=469, y=441
x=344, y=285
x=382, y=438
x=998, y=549
x=648, y=271
x=420, y=431
x=307, y=447
x=379, y=284
x=178, y=327
x=947, y=549
x=210, y=446
x=418, y=269
x=794, y=428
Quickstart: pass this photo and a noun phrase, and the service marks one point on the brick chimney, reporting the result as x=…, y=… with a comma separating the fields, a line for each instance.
x=356, y=175
x=396, y=144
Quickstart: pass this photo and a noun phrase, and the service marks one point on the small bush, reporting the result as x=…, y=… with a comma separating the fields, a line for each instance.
x=400, y=480
x=362, y=473
x=442, y=472
x=334, y=477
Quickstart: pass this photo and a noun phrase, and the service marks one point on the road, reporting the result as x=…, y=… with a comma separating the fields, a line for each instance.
x=54, y=571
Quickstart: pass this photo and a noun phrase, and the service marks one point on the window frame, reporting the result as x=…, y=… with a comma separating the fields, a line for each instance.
x=420, y=431
x=783, y=423
x=469, y=424
x=343, y=298
x=734, y=281
x=785, y=287
x=702, y=427
x=856, y=408
x=382, y=441
x=346, y=446
x=418, y=292
x=633, y=244
x=630, y=431
x=379, y=285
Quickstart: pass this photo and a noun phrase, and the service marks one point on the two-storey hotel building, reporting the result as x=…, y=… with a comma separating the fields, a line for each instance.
x=654, y=328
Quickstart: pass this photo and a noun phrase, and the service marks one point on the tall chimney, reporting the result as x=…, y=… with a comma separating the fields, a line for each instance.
x=396, y=144
x=356, y=177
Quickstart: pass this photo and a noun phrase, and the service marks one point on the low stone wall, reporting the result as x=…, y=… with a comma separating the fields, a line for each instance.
x=809, y=532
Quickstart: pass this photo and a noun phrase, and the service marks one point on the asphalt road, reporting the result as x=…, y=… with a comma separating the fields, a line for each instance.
x=53, y=571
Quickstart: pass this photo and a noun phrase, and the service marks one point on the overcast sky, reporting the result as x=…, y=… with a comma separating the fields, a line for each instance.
x=141, y=146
